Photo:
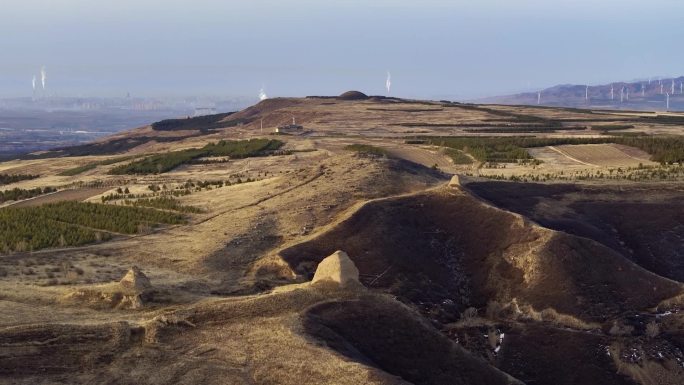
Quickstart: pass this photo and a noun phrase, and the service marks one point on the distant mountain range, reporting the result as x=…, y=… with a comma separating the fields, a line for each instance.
x=637, y=95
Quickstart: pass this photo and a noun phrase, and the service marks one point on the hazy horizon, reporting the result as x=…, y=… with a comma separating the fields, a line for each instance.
x=432, y=48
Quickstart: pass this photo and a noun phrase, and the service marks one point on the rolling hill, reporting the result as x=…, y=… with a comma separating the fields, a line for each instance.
x=643, y=95
x=487, y=244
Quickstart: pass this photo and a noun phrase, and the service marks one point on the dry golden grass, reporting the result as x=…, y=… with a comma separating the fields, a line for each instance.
x=603, y=155
x=211, y=321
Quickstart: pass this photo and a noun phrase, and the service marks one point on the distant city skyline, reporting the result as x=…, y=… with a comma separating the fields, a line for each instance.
x=432, y=48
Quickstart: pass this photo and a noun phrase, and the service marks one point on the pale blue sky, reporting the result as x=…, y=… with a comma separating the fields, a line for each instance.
x=433, y=48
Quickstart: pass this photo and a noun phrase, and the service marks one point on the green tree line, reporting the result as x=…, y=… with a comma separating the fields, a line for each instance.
x=13, y=178
x=17, y=194
x=74, y=223
x=203, y=123
x=663, y=149
x=165, y=162
x=164, y=203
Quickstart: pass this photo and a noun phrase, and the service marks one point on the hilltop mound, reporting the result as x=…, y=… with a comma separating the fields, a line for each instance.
x=353, y=95
x=269, y=105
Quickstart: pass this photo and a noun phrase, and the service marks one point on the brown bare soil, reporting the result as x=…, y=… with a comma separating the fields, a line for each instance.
x=604, y=155
x=538, y=354
x=644, y=223
x=447, y=246
x=404, y=246
x=385, y=334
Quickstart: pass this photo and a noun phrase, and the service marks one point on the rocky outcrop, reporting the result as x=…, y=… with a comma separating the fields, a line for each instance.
x=135, y=289
x=135, y=280
x=337, y=268
x=131, y=292
x=455, y=181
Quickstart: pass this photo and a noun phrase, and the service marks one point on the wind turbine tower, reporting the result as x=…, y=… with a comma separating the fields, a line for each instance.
x=388, y=83
x=672, y=90
x=43, y=77
x=643, y=90
x=667, y=102
x=612, y=94
x=586, y=93
x=538, y=97
x=622, y=94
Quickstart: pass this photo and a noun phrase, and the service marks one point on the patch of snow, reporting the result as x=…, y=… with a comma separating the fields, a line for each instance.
x=665, y=314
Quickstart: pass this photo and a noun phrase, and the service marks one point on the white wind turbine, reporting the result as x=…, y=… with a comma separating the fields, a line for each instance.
x=43, y=76
x=667, y=102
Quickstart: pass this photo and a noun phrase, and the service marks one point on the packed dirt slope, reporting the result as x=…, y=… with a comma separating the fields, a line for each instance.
x=267, y=339
x=642, y=223
x=559, y=298
x=447, y=245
